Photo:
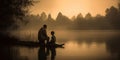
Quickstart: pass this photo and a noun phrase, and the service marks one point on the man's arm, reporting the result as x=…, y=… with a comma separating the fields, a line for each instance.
x=45, y=33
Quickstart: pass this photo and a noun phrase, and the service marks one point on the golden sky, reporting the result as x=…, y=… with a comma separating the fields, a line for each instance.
x=72, y=7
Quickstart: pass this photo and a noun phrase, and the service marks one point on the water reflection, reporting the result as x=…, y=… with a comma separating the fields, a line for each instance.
x=44, y=52
x=113, y=46
x=5, y=53
x=97, y=47
x=84, y=51
x=11, y=53
x=53, y=53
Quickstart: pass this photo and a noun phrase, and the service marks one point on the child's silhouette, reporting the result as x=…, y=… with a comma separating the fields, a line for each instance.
x=53, y=40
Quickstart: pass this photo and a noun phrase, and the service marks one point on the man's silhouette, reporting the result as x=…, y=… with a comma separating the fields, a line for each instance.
x=42, y=35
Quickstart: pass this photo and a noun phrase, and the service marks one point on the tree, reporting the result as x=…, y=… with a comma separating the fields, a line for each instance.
x=43, y=16
x=59, y=16
x=12, y=10
x=113, y=15
x=50, y=21
x=73, y=18
x=50, y=18
x=62, y=20
x=79, y=17
x=88, y=16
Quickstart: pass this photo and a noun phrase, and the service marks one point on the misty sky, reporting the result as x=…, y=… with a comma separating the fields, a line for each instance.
x=72, y=7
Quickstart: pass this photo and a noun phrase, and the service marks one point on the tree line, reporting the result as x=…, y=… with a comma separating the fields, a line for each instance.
x=110, y=21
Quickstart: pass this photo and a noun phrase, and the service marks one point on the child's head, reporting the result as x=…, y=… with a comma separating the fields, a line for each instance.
x=52, y=32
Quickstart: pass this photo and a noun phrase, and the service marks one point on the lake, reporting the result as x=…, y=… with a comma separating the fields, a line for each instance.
x=79, y=45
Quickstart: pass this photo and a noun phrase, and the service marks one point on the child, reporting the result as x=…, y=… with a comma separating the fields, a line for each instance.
x=53, y=38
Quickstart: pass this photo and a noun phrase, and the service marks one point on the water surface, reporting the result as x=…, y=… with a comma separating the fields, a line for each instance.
x=79, y=45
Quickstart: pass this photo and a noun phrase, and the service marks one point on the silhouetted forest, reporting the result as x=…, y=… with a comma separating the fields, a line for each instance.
x=14, y=14
x=110, y=21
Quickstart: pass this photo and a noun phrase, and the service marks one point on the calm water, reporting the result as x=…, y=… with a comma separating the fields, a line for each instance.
x=79, y=45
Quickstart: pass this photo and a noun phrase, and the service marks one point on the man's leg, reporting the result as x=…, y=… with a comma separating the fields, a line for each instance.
x=47, y=40
x=42, y=43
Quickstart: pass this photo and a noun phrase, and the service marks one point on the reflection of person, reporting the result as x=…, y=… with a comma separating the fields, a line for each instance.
x=42, y=54
x=42, y=35
x=53, y=53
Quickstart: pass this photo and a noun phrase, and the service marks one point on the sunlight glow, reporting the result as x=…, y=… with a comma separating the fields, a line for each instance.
x=72, y=7
x=84, y=49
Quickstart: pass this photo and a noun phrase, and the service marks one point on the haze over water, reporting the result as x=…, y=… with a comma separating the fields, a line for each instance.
x=79, y=44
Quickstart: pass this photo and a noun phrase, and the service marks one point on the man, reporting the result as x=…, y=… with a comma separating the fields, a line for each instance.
x=42, y=35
